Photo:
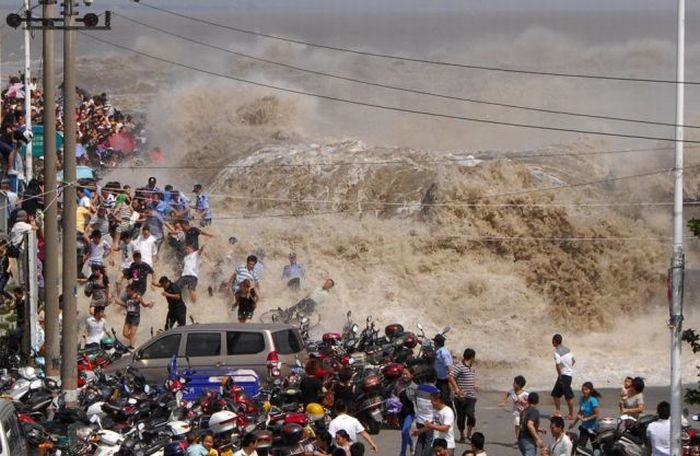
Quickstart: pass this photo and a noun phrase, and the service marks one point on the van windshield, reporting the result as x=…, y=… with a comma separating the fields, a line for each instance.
x=287, y=341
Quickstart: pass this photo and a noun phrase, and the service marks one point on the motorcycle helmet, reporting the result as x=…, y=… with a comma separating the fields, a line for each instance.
x=292, y=433
x=410, y=340
x=331, y=338
x=264, y=439
x=175, y=449
x=179, y=428
x=392, y=371
x=107, y=343
x=296, y=418
x=222, y=421
x=394, y=330
x=371, y=383
x=315, y=411
x=27, y=372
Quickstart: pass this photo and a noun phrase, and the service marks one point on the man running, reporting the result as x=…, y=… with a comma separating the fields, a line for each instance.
x=177, y=310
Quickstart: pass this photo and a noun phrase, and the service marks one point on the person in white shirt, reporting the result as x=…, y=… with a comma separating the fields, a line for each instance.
x=248, y=444
x=349, y=424
x=95, y=327
x=146, y=245
x=659, y=432
x=564, y=363
x=443, y=422
x=21, y=227
x=190, y=272
x=99, y=250
x=561, y=444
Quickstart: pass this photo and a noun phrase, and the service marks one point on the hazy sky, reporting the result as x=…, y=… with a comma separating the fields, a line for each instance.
x=509, y=5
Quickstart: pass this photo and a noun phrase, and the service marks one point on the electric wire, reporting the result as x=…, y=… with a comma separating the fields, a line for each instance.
x=385, y=107
x=416, y=60
x=403, y=89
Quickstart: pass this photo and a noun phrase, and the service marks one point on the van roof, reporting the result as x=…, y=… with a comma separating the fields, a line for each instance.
x=273, y=327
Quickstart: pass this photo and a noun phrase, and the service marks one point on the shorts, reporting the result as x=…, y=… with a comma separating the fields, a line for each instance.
x=123, y=227
x=189, y=282
x=562, y=387
x=132, y=320
x=178, y=316
x=516, y=420
x=294, y=284
x=246, y=314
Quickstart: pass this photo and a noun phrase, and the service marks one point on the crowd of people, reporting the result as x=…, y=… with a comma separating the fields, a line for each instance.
x=432, y=413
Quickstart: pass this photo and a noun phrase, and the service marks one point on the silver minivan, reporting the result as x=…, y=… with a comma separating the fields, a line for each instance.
x=12, y=442
x=218, y=347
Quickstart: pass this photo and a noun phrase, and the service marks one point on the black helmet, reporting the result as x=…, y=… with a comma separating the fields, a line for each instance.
x=292, y=433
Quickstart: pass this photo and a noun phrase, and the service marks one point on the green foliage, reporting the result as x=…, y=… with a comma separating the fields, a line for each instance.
x=692, y=395
x=694, y=226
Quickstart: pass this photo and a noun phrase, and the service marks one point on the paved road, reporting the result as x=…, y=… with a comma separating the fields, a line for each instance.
x=497, y=425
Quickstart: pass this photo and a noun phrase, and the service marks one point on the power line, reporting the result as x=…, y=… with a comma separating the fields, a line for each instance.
x=388, y=108
x=415, y=60
x=403, y=89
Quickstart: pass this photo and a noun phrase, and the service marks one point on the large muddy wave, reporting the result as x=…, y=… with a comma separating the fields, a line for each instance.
x=488, y=230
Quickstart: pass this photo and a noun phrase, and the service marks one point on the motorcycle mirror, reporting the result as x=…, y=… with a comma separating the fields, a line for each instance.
x=369, y=318
x=445, y=330
x=348, y=314
x=419, y=326
x=355, y=329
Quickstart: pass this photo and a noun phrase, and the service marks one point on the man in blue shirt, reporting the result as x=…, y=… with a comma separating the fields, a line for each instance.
x=202, y=206
x=443, y=361
x=293, y=272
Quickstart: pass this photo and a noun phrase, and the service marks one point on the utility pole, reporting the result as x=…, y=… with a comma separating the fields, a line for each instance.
x=31, y=239
x=52, y=312
x=69, y=374
x=678, y=258
x=66, y=23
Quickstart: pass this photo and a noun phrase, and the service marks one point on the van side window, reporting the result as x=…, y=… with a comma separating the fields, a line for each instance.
x=287, y=342
x=203, y=344
x=164, y=347
x=244, y=343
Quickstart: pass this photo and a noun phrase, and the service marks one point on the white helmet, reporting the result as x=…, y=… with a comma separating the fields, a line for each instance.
x=27, y=372
x=222, y=421
x=179, y=428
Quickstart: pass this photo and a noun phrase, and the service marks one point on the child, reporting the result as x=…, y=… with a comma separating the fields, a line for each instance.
x=133, y=304
x=195, y=448
x=624, y=392
x=519, y=397
x=477, y=448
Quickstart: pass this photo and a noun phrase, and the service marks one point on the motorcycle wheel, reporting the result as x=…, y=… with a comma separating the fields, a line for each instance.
x=272, y=316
